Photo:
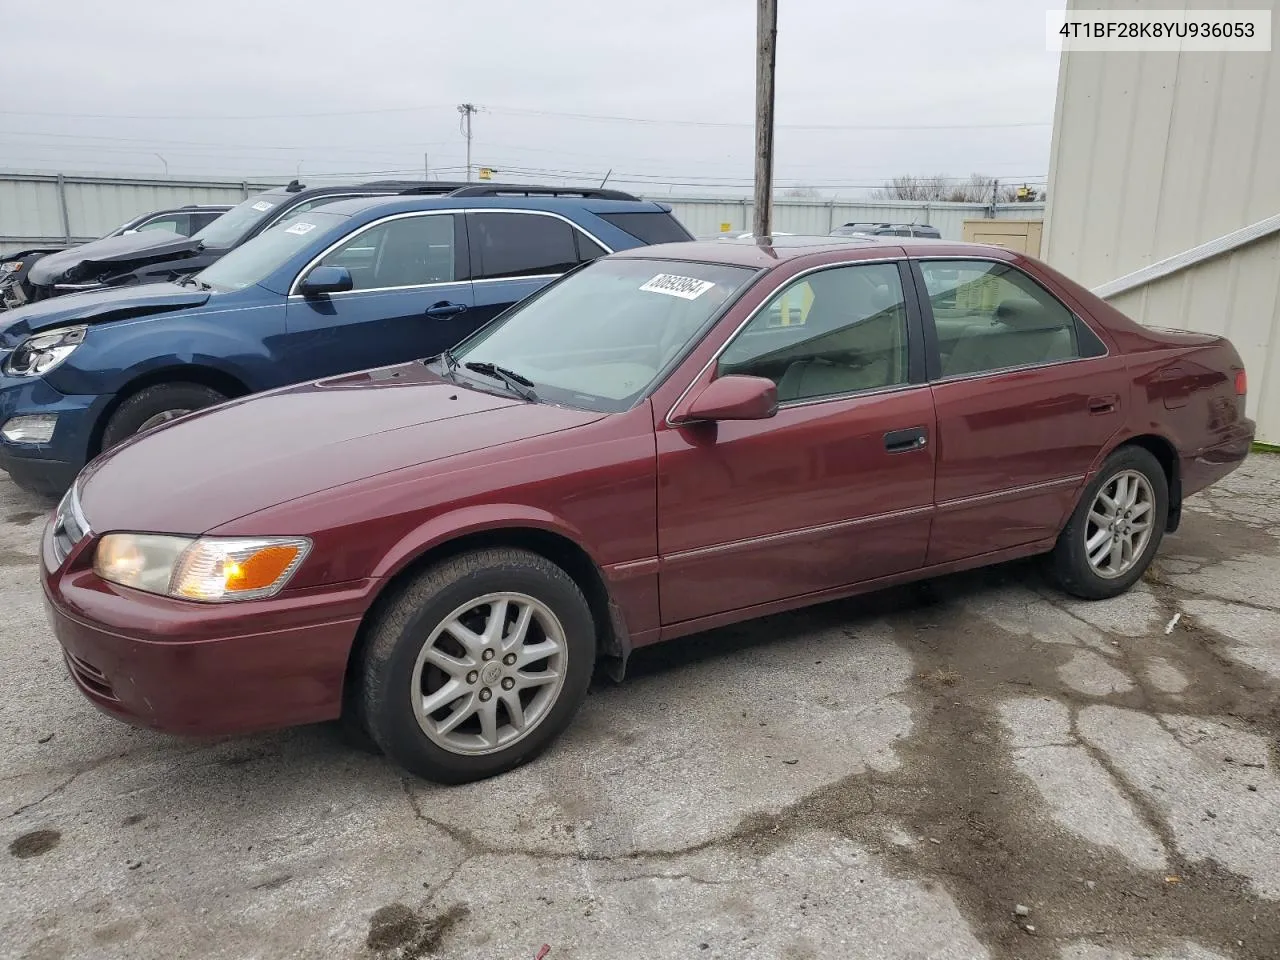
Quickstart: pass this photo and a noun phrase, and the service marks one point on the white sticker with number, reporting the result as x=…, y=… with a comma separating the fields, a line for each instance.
x=262, y=206
x=300, y=228
x=686, y=288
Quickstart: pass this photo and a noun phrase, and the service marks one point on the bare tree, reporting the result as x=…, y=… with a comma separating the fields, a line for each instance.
x=977, y=189
x=802, y=193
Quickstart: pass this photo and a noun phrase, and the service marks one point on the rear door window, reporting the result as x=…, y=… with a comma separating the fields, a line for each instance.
x=507, y=245
x=990, y=316
x=201, y=220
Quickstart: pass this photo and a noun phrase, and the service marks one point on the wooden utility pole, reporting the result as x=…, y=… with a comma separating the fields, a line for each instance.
x=467, y=110
x=766, y=55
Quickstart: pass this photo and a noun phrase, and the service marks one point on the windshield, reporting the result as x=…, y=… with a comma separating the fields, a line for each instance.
x=227, y=230
x=601, y=337
x=262, y=256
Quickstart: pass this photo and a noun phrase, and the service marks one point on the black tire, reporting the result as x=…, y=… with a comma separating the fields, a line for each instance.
x=385, y=672
x=1069, y=562
x=151, y=402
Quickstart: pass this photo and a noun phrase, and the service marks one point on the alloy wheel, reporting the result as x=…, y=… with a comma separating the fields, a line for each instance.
x=1119, y=525
x=489, y=673
x=159, y=418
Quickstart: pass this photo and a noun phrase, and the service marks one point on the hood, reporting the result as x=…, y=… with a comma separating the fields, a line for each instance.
x=210, y=468
x=110, y=255
x=98, y=306
x=31, y=252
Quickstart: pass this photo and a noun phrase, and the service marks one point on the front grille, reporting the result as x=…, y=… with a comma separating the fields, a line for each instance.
x=69, y=525
x=89, y=676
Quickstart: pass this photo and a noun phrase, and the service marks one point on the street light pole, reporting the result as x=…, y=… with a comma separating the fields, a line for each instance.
x=766, y=56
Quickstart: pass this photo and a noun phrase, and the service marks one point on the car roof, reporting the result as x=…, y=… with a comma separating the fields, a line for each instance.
x=746, y=252
x=401, y=203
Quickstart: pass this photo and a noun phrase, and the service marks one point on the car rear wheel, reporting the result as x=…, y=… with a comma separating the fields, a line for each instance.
x=477, y=665
x=1116, y=528
x=153, y=406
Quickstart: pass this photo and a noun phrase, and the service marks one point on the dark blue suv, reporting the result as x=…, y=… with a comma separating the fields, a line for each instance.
x=356, y=284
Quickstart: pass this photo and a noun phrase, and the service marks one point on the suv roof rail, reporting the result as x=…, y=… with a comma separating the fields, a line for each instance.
x=438, y=188
x=535, y=190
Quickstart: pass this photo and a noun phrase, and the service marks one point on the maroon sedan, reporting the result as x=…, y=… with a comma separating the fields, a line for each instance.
x=665, y=440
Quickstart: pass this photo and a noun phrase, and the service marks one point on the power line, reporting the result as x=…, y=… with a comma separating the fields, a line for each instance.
x=214, y=116
x=525, y=112
x=162, y=141
x=787, y=126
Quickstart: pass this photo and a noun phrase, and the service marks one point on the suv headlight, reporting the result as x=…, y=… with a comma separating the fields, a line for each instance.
x=210, y=569
x=42, y=352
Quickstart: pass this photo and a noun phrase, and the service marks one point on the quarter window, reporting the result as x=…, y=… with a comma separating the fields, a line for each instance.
x=839, y=331
x=521, y=245
x=588, y=249
x=990, y=316
x=408, y=252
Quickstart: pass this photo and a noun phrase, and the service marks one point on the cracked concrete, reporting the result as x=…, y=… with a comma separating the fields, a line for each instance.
x=886, y=777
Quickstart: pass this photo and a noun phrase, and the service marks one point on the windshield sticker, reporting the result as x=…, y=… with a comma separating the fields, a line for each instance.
x=686, y=288
x=262, y=206
x=300, y=228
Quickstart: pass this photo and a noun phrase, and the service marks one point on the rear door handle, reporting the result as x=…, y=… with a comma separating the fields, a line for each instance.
x=445, y=309
x=1106, y=404
x=900, y=441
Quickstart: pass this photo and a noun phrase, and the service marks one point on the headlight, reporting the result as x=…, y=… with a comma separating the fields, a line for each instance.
x=13, y=266
x=44, y=351
x=210, y=569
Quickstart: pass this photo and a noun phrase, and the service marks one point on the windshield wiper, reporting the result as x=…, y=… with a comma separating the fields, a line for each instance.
x=522, y=386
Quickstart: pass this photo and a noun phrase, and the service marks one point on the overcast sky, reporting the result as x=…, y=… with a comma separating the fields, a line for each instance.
x=242, y=88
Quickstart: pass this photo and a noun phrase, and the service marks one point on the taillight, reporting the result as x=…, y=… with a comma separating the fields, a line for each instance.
x=1242, y=383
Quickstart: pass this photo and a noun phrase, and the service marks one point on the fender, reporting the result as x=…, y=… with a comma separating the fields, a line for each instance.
x=231, y=342
x=616, y=645
x=480, y=518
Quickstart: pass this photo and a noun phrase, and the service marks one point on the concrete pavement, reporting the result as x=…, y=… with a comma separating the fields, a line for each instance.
x=888, y=777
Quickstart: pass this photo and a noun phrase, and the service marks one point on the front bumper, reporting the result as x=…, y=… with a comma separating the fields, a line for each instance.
x=201, y=669
x=48, y=468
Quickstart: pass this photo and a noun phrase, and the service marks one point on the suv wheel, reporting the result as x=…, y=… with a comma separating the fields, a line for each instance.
x=153, y=406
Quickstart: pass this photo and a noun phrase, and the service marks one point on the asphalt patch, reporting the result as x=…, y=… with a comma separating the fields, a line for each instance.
x=34, y=844
x=397, y=927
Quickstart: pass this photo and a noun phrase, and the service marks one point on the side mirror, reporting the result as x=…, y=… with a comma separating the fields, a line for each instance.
x=733, y=397
x=326, y=279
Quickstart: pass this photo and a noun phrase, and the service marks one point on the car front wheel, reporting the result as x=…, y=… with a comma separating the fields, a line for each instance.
x=477, y=665
x=1116, y=528
x=155, y=405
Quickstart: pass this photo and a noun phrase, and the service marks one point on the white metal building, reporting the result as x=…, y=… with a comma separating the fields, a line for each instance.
x=1164, y=192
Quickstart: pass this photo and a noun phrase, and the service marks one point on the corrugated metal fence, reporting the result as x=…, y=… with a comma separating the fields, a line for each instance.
x=707, y=216
x=47, y=208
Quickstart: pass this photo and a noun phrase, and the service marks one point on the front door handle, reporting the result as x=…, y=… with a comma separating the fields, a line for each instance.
x=1103, y=404
x=445, y=309
x=900, y=441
